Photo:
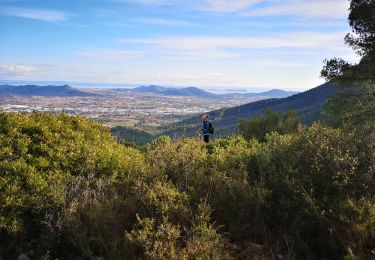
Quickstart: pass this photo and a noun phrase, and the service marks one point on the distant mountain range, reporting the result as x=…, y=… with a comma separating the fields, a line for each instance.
x=66, y=90
x=62, y=83
x=274, y=93
x=308, y=105
x=34, y=90
x=197, y=92
x=189, y=91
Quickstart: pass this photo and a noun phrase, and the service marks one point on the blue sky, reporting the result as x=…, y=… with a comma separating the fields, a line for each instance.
x=251, y=44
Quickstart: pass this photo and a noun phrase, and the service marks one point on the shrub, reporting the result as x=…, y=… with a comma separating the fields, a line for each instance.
x=41, y=155
x=69, y=189
x=258, y=127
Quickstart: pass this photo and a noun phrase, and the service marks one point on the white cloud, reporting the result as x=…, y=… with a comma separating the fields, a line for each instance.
x=109, y=54
x=299, y=8
x=287, y=40
x=203, y=5
x=228, y=5
x=46, y=15
x=304, y=8
x=163, y=21
x=147, y=2
x=154, y=2
x=279, y=63
x=333, y=9
x=16, y=69
x=197, y=49
x=196, y=77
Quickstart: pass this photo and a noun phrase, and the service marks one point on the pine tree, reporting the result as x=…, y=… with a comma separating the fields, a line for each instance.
x=355, y=104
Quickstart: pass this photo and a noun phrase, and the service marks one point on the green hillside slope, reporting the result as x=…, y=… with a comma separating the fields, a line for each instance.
x=308, y=106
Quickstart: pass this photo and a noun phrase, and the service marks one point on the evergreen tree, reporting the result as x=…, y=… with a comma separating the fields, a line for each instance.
x=355, y=104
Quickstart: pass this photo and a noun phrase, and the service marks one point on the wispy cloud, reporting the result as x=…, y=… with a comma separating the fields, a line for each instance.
x=205, y=42
x=46, y=15
x=228, y=5
x=196, y=54
x=212, y=48
x=303, y=8
x=287, y=40
x=266, y=63
x=222, y=78
x=16, y=69
x=109, y=54
x=300, y=8
x=147, y=2
x=203, y=5
x=163, y=21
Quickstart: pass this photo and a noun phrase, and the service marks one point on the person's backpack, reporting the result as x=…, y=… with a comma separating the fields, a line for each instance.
x=210, y=128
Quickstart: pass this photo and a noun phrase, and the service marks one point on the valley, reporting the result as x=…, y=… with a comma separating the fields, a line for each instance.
x=122, y=108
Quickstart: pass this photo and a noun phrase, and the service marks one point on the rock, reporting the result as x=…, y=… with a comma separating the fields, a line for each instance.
x=280, y=257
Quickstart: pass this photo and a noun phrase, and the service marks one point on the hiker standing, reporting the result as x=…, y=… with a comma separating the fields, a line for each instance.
x=207, y=129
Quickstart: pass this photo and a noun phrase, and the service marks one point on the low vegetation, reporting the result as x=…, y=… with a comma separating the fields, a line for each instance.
x=70, y=190
x=260, y=126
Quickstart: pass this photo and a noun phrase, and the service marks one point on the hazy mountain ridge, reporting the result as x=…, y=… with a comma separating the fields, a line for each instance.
x=308, y=106
x=189, y=91
x=277, y=93
x=35, y=90
x=194, y=91
x=67, y=90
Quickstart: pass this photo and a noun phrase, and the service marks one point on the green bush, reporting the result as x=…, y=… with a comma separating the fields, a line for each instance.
x=41, y=156
x=258, y=127
x=68, y=190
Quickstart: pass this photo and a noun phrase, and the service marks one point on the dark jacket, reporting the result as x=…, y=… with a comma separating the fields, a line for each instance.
x=206, y=126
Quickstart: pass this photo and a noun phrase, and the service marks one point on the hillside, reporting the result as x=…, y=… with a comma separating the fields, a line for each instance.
x=308, y=105
x=34, y=90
